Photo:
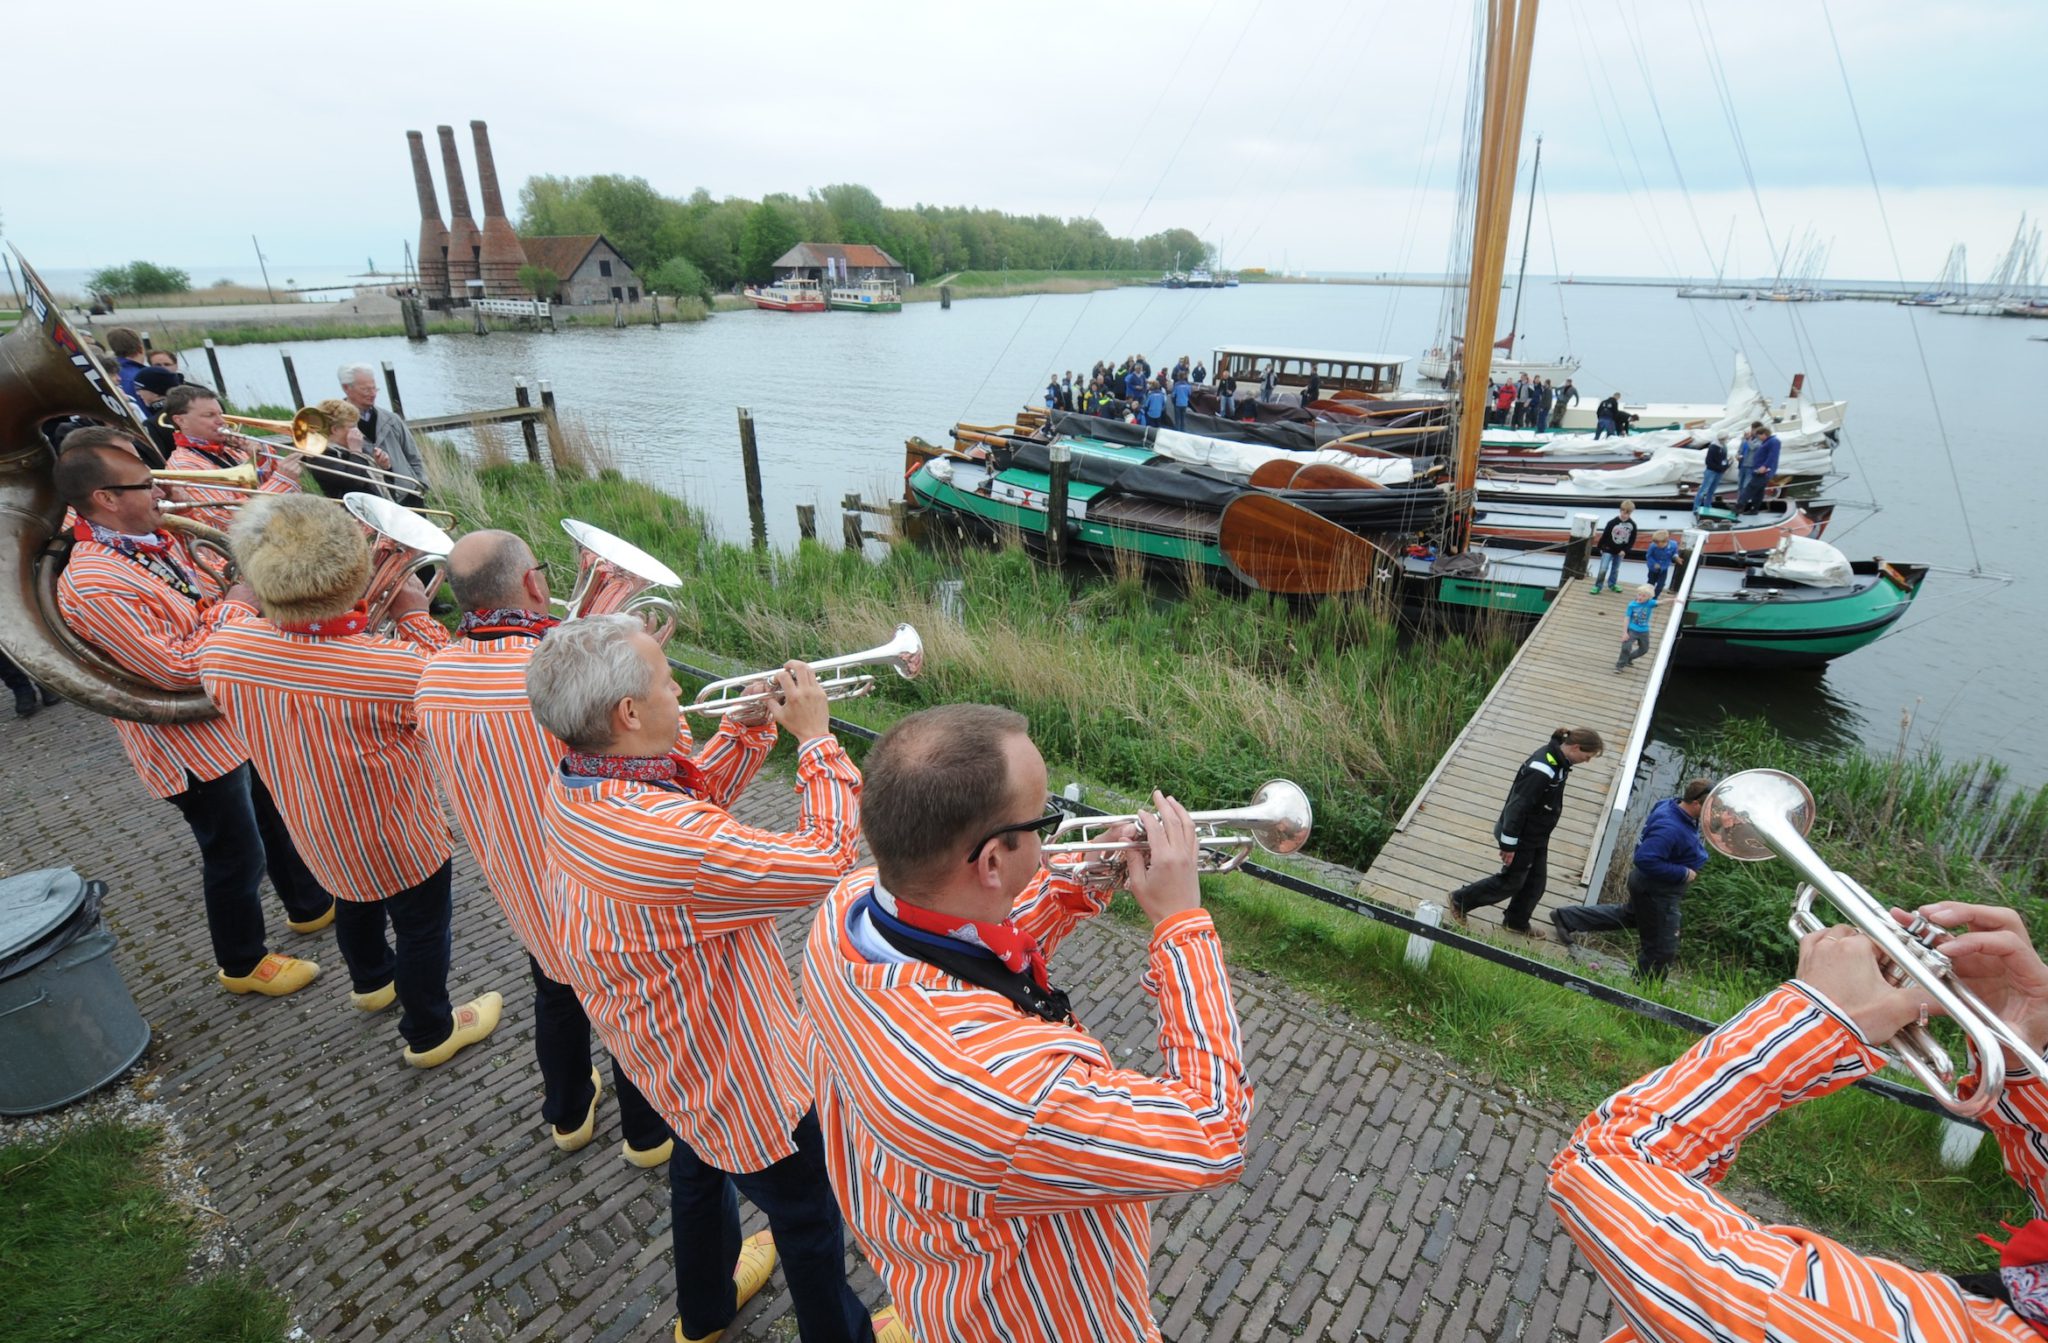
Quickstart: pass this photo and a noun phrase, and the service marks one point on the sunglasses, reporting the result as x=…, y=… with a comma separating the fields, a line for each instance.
x=144, y=485
x=1044, y=825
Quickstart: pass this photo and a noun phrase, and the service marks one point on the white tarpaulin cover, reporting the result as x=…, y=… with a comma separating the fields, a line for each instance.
x=1244, y=458
x=1801, y=559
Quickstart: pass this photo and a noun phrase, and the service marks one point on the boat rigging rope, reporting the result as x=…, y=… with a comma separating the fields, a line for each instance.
x=1912, y=319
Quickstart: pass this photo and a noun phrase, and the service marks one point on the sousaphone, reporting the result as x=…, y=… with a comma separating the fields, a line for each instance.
x=48, y=373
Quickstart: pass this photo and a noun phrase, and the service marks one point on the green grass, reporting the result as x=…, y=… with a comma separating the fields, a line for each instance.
x=91, y=1248
x=1006, y=283
x=187, y=337
x=1208, y=696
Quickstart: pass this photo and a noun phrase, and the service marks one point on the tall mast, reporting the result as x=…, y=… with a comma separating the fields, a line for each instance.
x=1509, y=37
x=1528, y=226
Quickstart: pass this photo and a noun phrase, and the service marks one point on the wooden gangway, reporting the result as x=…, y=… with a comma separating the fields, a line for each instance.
x=1562, y=676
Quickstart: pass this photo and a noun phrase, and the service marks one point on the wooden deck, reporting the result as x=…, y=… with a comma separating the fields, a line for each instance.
x=1563, y=676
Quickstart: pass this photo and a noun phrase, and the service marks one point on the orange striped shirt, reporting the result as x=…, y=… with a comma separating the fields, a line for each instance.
x=222, y=503
x=663, y=909
x=1634, y=1188
x=999, y=1169
x=497, y=765
x=331, y=727
x=152, y=632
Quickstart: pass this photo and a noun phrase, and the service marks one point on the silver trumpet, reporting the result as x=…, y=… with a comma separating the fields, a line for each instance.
x=1761, y=813
x=1278, y=820
x=402, y=543
x=613, y=575
x=903, y=654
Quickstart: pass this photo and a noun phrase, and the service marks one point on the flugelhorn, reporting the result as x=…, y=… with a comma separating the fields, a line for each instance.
x=402, y=544
x=613, y=575
x=242, y=477
x=903, y=654
x=1761, y=813
x=1278, y=820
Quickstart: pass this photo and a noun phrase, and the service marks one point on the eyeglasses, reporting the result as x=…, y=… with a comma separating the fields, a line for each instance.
x=1042, y=825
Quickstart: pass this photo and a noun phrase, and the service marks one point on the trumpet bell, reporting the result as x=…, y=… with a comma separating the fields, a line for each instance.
x=1280, y=817
x=904, y=654
x=1736, y=814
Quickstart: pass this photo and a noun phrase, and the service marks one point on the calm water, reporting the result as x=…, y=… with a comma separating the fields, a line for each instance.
x=834, y=395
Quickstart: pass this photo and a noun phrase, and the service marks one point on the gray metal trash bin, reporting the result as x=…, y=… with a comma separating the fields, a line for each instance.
x=68, y=1025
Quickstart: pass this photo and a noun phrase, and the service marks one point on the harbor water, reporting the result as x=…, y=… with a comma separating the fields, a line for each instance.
x=1944, y=466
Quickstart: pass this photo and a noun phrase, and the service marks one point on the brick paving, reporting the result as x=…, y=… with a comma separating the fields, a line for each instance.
x=1384, y=1198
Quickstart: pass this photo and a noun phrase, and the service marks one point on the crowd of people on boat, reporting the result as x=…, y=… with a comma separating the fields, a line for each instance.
x=1130, y=390
x=1523, y=402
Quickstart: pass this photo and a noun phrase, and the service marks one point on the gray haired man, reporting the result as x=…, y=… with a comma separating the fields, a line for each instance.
x=382, y=429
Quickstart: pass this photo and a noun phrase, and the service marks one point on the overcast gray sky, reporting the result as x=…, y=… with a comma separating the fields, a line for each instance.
x=1319, y=134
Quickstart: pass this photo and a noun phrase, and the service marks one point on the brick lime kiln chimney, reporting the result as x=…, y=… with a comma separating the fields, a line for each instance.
x=433, y=254
x=464, y=242
x=502, y=255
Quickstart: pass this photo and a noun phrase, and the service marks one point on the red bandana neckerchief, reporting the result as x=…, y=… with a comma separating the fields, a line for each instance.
x=674, y=770
x=339, y=626
x=220, y=454
x=2023, y=1265
x=156, y=553
x=496, y=622
x=1015, y=948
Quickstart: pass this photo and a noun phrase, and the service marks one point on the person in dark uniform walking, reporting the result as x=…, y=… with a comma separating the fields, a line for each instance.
x=1535, y=801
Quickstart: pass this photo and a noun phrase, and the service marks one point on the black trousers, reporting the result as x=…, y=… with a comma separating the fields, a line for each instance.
x=561, y=1045
x=240, y=834
x=1520, y=883
x=1651, y=909
x=421, y=918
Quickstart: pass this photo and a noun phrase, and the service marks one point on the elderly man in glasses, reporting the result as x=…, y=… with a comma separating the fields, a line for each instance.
x=997, y=1164
x=663, y=911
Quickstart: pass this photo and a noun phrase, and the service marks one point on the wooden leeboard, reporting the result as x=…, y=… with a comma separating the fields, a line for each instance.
x=1563, y=677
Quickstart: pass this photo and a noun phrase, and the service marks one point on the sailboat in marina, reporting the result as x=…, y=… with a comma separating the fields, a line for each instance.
x=1951, y=286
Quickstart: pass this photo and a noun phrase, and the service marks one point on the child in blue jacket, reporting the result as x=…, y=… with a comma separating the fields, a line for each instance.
x=1635, y=642
x=1658, y=559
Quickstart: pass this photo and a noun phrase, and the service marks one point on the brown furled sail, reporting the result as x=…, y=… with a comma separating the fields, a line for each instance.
x=1275, y=546
x=1273, y=475
x=1322, y=476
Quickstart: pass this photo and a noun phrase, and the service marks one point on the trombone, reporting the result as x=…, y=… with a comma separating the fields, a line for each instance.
x=1278, y=820
x=903, y=654
x=242, y=478
x=613, y=575
x=309, y=439
x=1761, y=813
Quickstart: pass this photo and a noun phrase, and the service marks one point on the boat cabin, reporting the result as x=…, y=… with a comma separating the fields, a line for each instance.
x=1336, y=370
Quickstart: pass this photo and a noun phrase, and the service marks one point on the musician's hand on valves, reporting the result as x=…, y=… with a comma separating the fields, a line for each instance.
x=756, y=713
x=1844, y=966
x=1995, y=959
x=802, y=708
x=410, y=599
x=1161, y=876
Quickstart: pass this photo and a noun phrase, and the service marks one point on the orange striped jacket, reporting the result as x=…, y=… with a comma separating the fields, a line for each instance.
x=154, y=633
x=497, y=765
x=1634, y=1189
x=331, y=727
x=998, y=1169
x=663, y=909
x=221, y=503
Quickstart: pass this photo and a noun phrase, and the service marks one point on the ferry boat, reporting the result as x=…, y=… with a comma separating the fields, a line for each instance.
x=791, y=295
x=867, y=296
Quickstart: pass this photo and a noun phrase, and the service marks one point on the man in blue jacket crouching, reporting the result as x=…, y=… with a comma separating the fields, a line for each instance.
x=1669, y=856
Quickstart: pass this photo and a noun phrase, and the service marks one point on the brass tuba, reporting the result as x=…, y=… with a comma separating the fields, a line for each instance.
x=613, y=575
x=47, y=373
x=402, y=544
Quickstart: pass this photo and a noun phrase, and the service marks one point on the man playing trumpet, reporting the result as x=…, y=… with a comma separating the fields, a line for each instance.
x=497, y=765
x=998, y=1167
x=664, y=909
x=1634, y=1187
x=200, y=442
x=326, y=708
x=130, y=590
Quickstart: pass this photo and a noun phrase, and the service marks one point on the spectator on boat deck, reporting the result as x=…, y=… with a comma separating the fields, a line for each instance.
x=1659, y=558
x=1155, y=406
x=1134, y=383
x=1518, y=412
x=1566, y=395
x=1635, y=638
x=1605, y=417
x=1713, y=466
x=1226, y=396
x=1266, y=384
x=1762, y=468
x=1503, y=398
x=1616, y=538
x=1052, y=394
x=1545, y=394
x=1313, y=391
x=1182, y=391
x=1201, y=373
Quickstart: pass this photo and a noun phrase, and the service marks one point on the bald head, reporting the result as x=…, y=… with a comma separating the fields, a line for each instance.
x=495, y=571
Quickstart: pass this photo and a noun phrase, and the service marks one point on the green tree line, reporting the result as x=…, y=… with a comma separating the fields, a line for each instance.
x=698, y=245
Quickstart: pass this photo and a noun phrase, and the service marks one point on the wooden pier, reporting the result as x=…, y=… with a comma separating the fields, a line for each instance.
x=1563, y=676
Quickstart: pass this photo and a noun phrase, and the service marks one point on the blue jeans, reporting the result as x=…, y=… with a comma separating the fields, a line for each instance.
x=561, y=1045
x=1608, y=575
x=240, y=835
x=1603, y=427
x=1542, y=421
x=810, y=1242
x=1710, y=485
x=1228, y=403
x=420, y=920
x=1180, y=417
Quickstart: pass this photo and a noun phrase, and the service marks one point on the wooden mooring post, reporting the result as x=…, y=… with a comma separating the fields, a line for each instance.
x=391, y=390
x=220, y=385
x=945, y=296
x=750, y=465
x=850, y=521
x=807, y=522
x=549, y=417
x=1062, y=456
x=291, y=379
x=147, y=347
x=654, y=301
x=526, y=429
x=414, y=319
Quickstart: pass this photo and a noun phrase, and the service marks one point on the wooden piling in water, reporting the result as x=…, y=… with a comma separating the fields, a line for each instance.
x=415, y=320
x=291, y=379
x=850, y=521
x=807, y=522
x=654, y=300
x=1062, y=455
x=750, y=465
x=945, y=296
x=526, y=429
x=146, y=346
x=220, y=386
x=550, y=417
x=391, y=390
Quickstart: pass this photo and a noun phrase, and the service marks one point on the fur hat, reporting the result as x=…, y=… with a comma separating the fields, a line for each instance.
x=305, y=557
